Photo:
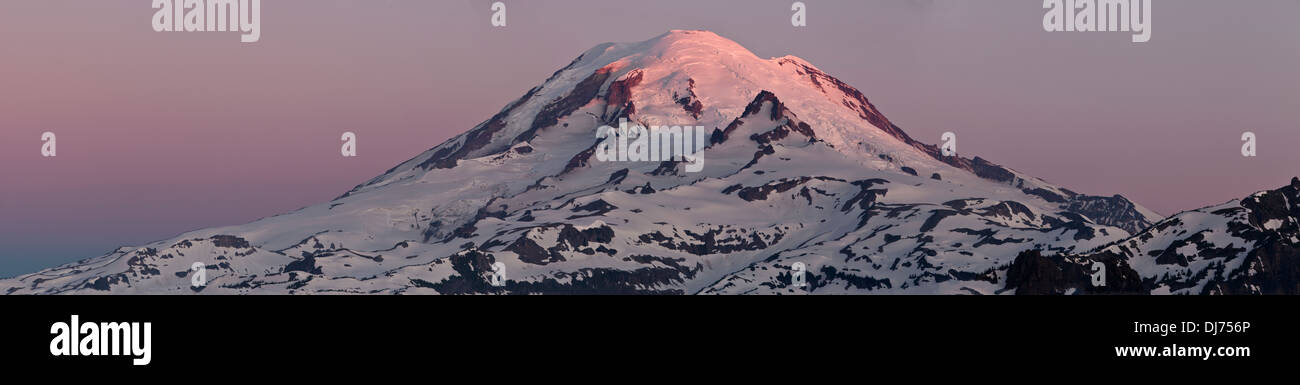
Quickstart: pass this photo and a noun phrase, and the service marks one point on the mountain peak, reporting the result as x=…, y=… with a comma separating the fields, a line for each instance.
x=799, y=167
x=680, y=45
x=699, y=78
x=699, y=36
x=723, y=77
x=692, y=34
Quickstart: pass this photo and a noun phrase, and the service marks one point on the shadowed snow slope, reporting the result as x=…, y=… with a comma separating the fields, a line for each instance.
x=800, y=168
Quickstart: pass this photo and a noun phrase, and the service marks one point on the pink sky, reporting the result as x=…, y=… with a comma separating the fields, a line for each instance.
x=161, y=133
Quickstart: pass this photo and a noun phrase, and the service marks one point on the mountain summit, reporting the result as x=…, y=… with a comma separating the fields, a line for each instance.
x=802, y=170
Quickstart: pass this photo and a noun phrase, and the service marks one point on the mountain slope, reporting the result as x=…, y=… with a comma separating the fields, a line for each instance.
x=1244, y=247
x=799, y=167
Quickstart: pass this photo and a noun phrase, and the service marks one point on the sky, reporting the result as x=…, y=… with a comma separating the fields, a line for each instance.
x=160, y=133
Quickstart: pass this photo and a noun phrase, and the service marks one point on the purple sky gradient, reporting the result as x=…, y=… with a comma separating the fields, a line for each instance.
x=161, y=133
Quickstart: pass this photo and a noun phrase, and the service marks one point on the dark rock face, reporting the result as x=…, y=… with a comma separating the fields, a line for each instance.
x=689, y=102
x=531, y=252
x=789, y=123
x=1111, y=211
x=581, y=238
x=479, y=137
x=935, y=217
x=1034, y=274
x=618, y=176
x=831, y=274
x=988, y=237
x=582, y=159
x=230, y=241
x=570, y=238
x=582, y=94
x=1278, y=205
x=620, y=91
x=595, y=208
x=759, y=193
x=307, y=265
x=474, y=139
x=990, y=171
x=784, y=131
x=866, y=195
x=107, y=282
x=1046, y=195
x=1008, y=209
x=718, y=240
x=778, y=112
x=474, y=266
x=1273, y=268
x=778, y=109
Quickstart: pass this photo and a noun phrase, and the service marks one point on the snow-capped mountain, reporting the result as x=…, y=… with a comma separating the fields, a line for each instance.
x=1241, y=247
x=800, y=167
x=1244, y=247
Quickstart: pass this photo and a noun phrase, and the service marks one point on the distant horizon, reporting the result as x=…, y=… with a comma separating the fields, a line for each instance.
x=165, y=133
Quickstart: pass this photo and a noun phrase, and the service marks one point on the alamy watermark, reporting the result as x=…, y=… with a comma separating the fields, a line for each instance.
x=498, y=14
x=75, y=338
x=198, y=275
x=210, y=16
x=498, y=277
x=948, y=144
x=49, y=144
x=799, y=275
x=1099, y=16
x=349, y=149
x=656, y=144
x=1098, y=274
x=800, y=17
x=1248, y=144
